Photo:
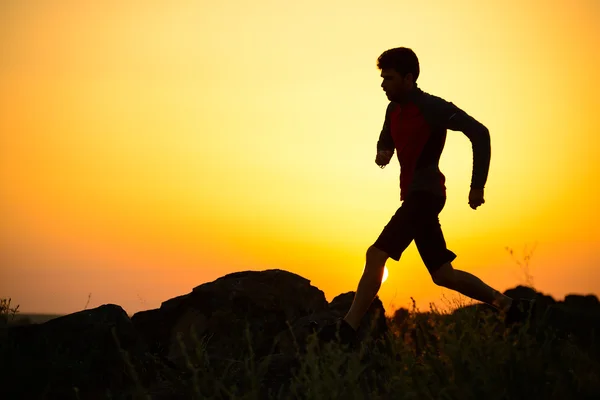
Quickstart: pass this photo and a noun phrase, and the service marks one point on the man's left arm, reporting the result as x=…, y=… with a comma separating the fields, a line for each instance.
x=457, y=120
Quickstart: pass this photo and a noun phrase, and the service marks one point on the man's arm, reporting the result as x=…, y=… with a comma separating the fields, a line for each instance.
x=456, y=119
x=385, y=142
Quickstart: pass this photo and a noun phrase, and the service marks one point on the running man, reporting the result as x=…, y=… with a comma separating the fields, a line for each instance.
x=415, y=128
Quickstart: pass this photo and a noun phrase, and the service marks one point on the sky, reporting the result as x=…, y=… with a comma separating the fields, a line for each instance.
x=149, y=147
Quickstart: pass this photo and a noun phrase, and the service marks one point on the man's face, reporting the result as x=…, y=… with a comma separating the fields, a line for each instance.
x=395, y=85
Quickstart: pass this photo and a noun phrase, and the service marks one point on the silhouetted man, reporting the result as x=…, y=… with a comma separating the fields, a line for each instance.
x=415, y=128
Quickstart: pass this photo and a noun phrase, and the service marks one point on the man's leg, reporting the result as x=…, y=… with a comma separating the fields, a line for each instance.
x=393, y=240
x=369, y=285
x=431, y=244
x=395, y=237
x=470, y=286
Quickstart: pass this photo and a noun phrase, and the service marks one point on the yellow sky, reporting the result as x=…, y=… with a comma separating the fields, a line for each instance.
x=149, y=147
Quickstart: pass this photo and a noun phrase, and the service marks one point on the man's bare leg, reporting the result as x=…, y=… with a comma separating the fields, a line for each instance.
x=369, y=285
x=470, y=286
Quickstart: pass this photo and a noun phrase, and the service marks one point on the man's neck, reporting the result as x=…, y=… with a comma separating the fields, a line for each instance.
x=410, y=95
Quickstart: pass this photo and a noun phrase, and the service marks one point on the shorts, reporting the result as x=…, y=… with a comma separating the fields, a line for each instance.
x=417, y=219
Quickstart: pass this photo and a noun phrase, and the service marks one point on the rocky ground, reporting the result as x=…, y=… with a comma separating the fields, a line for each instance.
x=222, y=329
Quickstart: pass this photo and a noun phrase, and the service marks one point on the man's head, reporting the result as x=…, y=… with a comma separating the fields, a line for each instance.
x=399, y=69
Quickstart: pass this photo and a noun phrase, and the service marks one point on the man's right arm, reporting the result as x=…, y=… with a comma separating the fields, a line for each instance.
x=385, y=142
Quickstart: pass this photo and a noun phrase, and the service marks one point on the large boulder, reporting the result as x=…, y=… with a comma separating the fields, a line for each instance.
x=229, y=316
x=268, y=315
x=91, y=353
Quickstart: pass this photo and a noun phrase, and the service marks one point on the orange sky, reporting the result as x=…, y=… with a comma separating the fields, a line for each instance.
x=147, y=148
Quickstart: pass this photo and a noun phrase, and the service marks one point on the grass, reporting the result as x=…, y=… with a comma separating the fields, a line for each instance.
x=430, y=356
x=7, y=312
x=426, y=355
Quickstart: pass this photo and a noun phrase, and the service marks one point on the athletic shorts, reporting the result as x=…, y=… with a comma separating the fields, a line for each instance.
x=417, y=219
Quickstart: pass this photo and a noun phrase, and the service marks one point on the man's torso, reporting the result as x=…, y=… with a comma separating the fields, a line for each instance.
x=418, y=141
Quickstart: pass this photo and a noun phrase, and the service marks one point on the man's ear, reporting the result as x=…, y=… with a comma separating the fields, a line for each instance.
x=408, y=78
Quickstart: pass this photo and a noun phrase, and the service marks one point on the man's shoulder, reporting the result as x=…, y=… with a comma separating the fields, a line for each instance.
x=390, y=108
x=430, y=100
x=434, y=108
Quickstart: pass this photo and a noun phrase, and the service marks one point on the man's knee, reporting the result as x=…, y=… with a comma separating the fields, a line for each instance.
x=444, y=275
x=376, y=258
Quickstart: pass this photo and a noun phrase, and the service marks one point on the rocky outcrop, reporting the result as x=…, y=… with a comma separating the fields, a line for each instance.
x=230, y=316
x=89, y=354
x=268, y=317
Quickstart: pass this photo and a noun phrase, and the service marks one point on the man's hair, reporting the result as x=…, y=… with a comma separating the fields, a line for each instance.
x=401, y=59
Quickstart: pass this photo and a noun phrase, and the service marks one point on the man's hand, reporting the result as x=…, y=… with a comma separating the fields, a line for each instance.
x=383, y=157
x=476, y=198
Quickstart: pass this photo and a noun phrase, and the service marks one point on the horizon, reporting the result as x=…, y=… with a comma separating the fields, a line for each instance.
x=146, y=147
x=389, y=312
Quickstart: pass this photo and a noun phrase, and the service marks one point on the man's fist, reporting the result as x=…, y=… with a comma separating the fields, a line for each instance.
x=383, y=157
x=476, y=198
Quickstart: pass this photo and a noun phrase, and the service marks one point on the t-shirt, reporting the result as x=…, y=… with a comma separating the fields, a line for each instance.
x=416, y=130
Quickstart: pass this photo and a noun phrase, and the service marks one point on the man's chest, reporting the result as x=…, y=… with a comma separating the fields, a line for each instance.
x=407, y=125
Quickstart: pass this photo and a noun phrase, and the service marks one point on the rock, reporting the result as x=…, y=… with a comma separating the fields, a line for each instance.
x=200, y=343
x=190, y=321
x=279, y=371
x=373, y=326
x=588, y=303
x=401, y=316
x=292, y=343
x=520, y=291
x=225, y=318
x=77, y=352
x=273, y=309
x=577, y=317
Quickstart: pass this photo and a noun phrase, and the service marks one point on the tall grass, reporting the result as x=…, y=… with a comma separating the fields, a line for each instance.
x=7, y=312
x=468, y=355
x=455, y=354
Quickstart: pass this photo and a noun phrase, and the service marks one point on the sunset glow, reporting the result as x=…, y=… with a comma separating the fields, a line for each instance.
x=385, y=274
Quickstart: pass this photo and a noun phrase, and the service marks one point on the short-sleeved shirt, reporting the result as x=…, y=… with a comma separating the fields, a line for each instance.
x=416, y=131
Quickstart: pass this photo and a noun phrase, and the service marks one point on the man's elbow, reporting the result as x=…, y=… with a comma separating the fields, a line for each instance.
x=483, y=131
x=479, y=133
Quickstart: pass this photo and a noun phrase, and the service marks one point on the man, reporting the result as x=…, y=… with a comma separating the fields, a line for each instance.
x=415, y=128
